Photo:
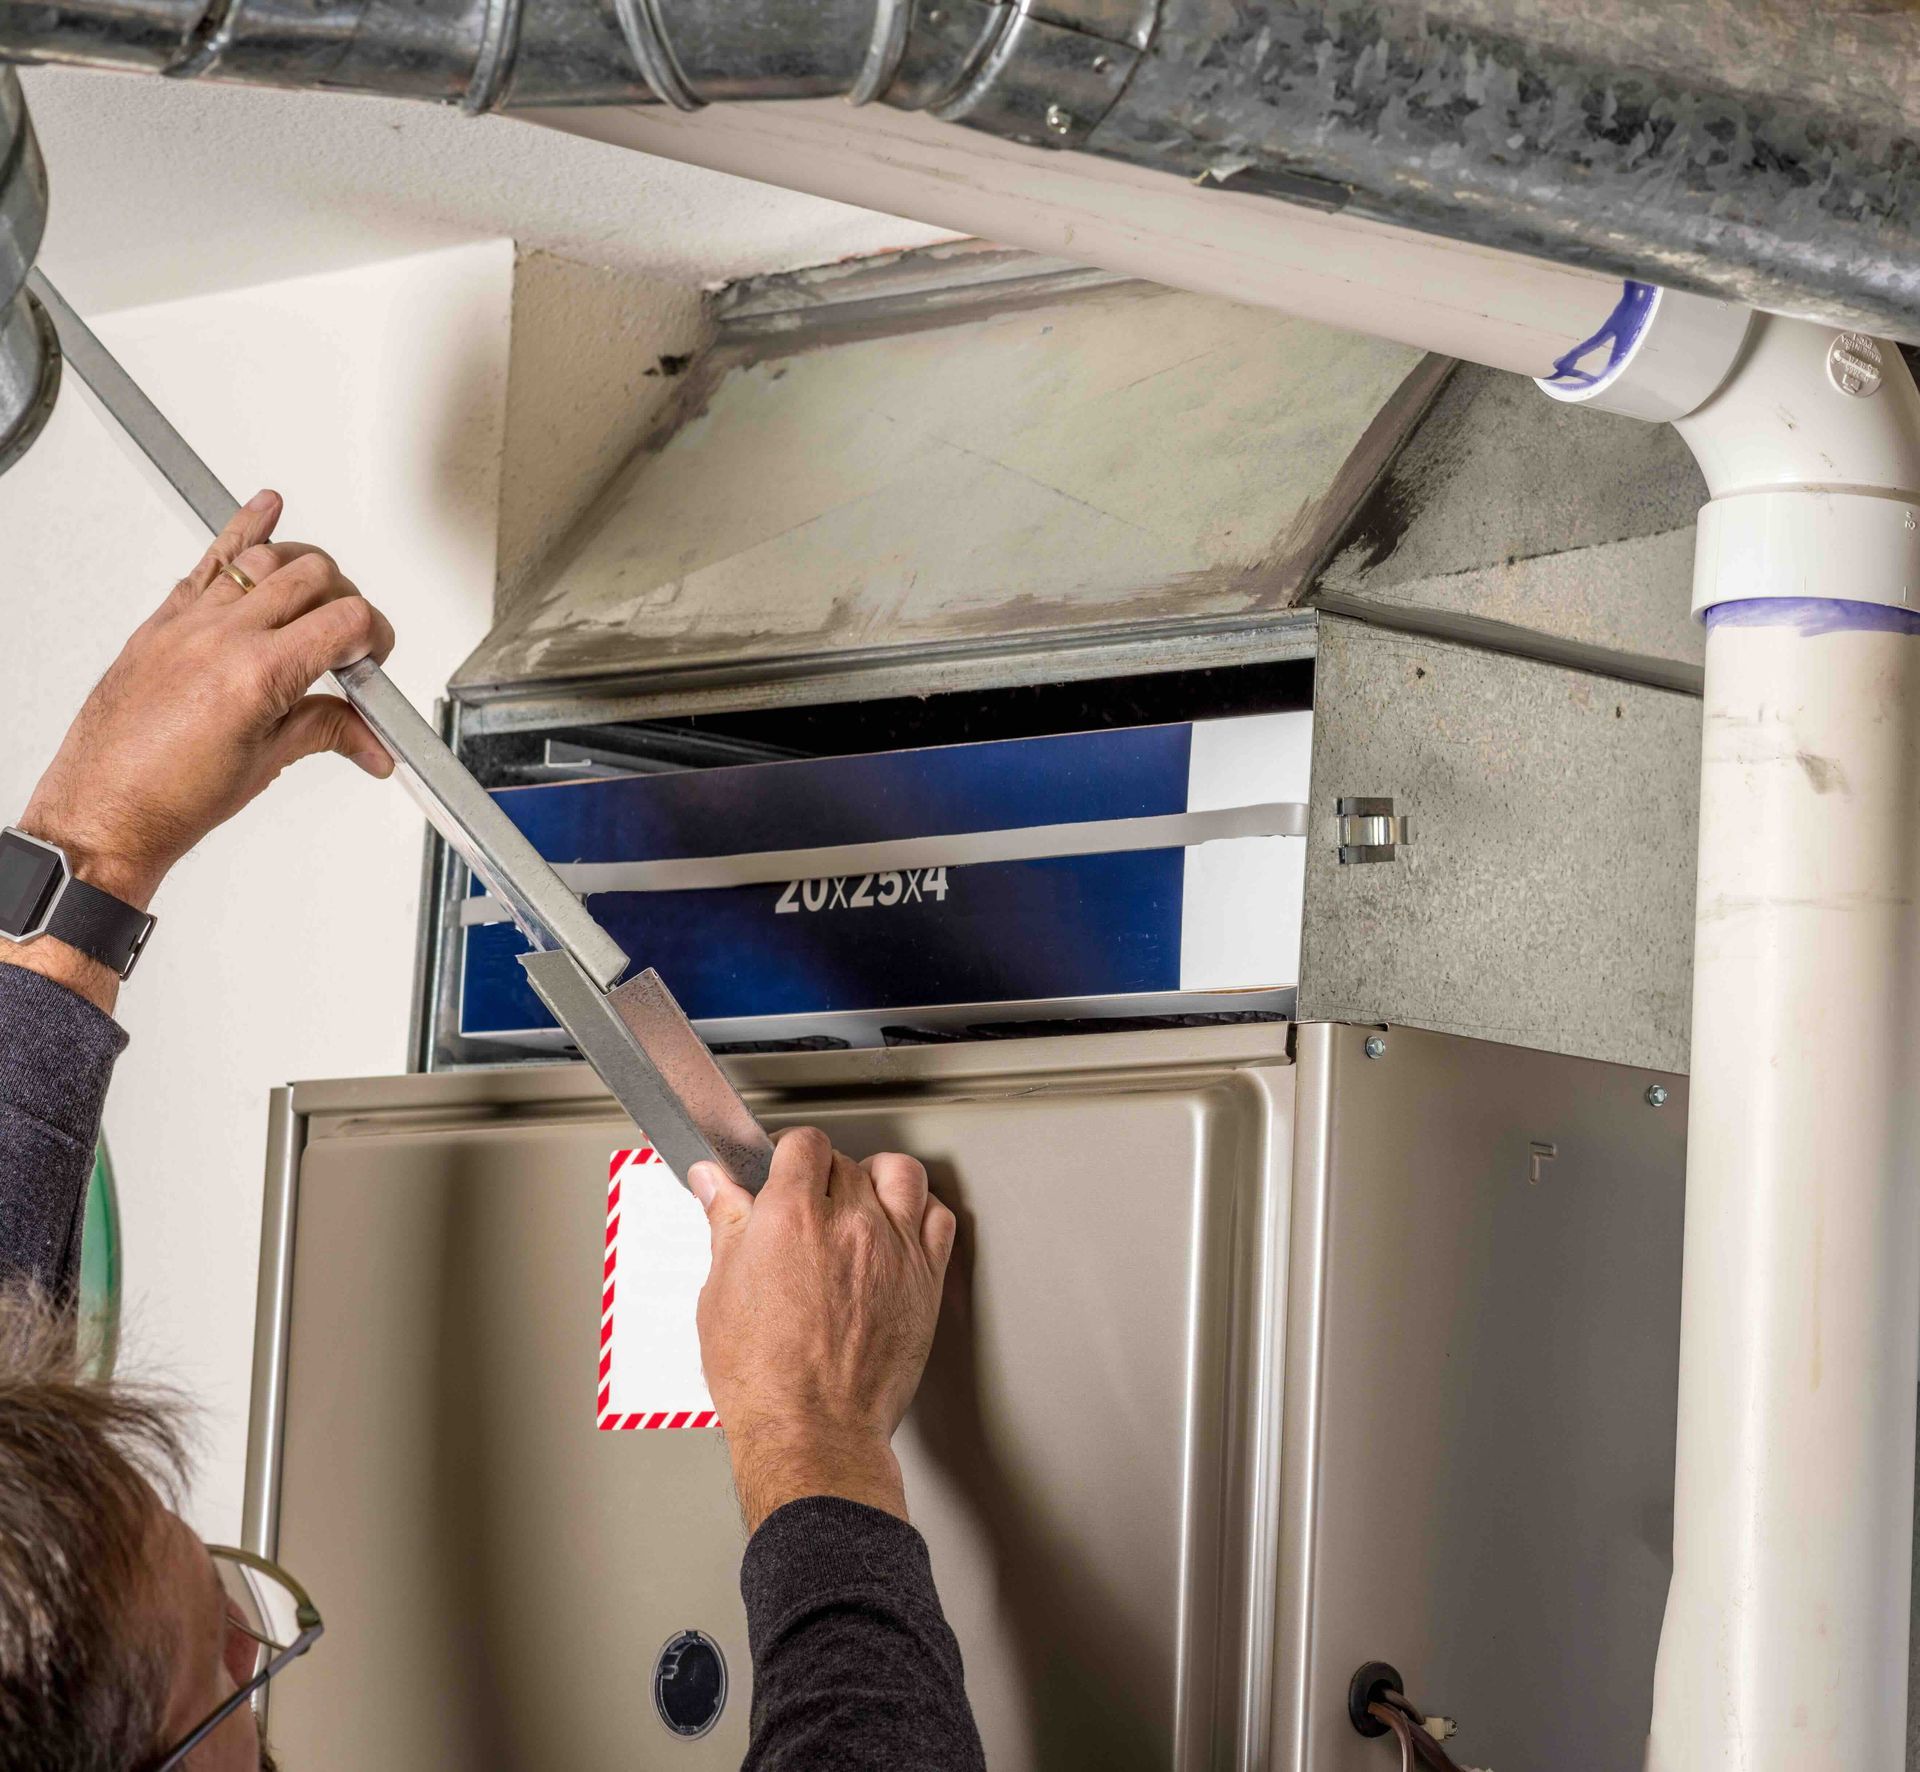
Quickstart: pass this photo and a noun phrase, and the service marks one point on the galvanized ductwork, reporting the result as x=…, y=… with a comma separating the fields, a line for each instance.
x=1049, y=71
x=29, y=355
x=1780, y=177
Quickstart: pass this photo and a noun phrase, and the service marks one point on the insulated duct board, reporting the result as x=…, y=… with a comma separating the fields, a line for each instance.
x=1546, y=899
x=916, y=493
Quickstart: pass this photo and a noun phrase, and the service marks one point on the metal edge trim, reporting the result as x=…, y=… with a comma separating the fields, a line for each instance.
x=957, y=269
x=266, y=1412
x=1203, y=1531
x=865, y=1028
x=1223, y=1666
x=781, y=332
x=1517, y=642
x=1315, y=1048
x=430, y=944
x=1267, y=1441
x=421, y=1029
x=551, y=1087
x=1056, y=656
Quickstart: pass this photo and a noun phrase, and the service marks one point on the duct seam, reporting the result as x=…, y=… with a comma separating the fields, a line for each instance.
x=885, y=52
x=1044, y=81
x=205, y=44
x=646, y=38
x=493, y=65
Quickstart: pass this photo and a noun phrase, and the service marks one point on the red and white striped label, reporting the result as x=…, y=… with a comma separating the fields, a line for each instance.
x=656, y=1260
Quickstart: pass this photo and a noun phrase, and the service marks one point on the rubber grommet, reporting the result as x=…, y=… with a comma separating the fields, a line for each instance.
x=1370, y=1679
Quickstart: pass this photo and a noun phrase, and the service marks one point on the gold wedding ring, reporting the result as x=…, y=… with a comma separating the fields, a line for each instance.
x=238, y=577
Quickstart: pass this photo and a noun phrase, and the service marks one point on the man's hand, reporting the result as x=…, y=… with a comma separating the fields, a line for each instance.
x=816, y=1319
x=206, y=704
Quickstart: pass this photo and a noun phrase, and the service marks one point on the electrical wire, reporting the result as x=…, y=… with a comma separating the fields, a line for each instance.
x=1402, y=1731
x=1418, y=1737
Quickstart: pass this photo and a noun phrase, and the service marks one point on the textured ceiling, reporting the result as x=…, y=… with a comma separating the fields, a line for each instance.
x=163, y=190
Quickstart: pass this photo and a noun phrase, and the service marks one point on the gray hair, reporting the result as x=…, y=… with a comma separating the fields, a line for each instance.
x=83, y=1684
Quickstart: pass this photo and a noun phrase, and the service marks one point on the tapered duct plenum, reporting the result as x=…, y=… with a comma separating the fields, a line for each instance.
x=29, y=353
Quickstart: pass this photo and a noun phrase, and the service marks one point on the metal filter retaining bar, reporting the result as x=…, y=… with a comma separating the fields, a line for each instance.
x=635, y=1037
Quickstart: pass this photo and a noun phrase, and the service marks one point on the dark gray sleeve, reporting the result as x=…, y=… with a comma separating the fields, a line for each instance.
x=854, y=1667
x=56, y=1056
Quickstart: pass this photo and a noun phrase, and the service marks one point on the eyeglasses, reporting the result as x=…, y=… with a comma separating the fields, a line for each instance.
x=270, y=1622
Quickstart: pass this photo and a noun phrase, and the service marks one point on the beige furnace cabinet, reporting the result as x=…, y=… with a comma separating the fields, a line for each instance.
x=1262, y=1358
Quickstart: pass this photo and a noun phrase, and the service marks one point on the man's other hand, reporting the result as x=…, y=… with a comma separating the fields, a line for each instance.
x=816, y=1319
x=206, y=704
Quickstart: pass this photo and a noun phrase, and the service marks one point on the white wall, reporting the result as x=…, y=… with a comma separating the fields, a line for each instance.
x=373, y=399
x=168, y=189
x=586, y=385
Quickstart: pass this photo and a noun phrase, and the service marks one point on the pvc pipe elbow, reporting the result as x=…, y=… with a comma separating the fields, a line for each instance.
x=1808, y=437
x=1809, y=405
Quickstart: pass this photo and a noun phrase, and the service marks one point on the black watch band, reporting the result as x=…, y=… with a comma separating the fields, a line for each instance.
x=101, y=926
x=39, y=895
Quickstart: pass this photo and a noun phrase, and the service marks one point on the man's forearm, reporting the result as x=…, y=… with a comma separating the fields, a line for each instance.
x=854, y=1665
x=773, y=1466
x=79, y=973
x=57, y=1051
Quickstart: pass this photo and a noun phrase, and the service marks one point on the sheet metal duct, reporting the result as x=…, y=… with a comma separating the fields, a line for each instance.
x=29, y=355
x=1777, y=172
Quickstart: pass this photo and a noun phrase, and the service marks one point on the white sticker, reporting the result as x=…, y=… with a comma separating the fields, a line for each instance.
x=657, y=1257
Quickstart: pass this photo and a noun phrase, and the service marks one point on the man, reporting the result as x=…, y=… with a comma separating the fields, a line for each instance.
x=116, y=1641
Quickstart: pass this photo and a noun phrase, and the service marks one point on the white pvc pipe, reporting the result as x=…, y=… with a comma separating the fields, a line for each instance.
x=1785, y=1643
x=1424, y=290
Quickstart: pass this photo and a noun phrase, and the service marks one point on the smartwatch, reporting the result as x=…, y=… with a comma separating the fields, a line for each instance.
x=39, y=895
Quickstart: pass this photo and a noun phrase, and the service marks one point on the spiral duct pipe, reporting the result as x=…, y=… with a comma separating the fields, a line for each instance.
x=29, y=354
x=1635, y=152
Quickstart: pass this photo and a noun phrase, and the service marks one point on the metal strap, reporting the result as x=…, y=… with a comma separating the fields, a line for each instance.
x=1099, y=836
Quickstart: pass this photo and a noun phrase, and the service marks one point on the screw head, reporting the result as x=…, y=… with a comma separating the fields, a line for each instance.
x=1656, y=1095
x=1102, y=64
x=1059, y=120
x=1375, y=1047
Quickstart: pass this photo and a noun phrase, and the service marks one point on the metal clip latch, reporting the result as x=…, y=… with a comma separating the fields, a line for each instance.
x=1370, y=830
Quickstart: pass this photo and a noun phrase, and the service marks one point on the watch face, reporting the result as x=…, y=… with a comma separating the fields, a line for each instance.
x=30, y=874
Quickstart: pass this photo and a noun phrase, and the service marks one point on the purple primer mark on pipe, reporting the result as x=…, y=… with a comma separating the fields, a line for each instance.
x=1814, y=615
x=1620, y=332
